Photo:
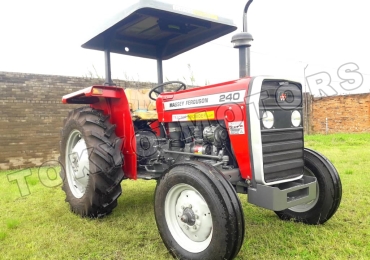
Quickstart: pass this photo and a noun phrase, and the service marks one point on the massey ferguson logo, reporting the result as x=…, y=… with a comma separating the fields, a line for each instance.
x=282, y=96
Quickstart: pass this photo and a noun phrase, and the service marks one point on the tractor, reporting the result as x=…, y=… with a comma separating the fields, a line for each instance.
x=202, y=145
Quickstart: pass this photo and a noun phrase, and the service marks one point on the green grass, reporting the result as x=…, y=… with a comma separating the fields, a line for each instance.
x=40, y=225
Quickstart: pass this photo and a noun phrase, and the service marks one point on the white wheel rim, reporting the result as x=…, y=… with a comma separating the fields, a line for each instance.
x=184, y=200
x=77, y=164
x=309, y=205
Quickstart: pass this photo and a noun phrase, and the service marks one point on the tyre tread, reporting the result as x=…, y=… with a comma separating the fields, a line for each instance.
x=101, y=198
x=227, y=199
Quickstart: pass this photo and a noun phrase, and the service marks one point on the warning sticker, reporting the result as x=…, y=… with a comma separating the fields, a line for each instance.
x=194, y=116
x=236, y=128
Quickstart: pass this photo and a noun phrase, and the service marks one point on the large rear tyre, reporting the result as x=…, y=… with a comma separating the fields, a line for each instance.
x=328, y=189
x=91, y=161
x=198, y=213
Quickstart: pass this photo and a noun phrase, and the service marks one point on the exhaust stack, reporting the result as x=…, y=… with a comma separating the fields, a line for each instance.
x=242, y=41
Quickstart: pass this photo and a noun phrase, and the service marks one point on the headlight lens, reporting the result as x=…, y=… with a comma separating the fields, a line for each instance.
x=296, y=118
x=268, y=119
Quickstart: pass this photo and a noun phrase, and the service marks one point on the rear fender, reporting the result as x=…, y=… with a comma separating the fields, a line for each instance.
x=113, y=102
x=92, y=95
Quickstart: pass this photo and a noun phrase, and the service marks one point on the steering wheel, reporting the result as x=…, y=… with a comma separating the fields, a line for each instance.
x=155, y=89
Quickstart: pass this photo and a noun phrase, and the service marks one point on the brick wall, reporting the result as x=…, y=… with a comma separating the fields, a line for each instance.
x=32, y=115
x=345, y=114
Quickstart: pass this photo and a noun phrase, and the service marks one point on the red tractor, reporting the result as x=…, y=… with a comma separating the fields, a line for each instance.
x=202, y=145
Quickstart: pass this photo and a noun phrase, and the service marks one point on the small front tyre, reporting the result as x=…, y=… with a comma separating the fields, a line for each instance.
x=198, y=213
x=328, y=189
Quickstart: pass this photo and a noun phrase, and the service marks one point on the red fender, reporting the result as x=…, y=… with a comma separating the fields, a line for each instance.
x=113, y=101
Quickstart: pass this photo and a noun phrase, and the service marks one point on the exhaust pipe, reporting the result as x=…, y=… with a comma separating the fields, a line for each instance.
x=242, y=41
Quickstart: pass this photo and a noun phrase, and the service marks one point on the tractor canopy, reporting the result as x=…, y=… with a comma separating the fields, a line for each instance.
x=157, y=30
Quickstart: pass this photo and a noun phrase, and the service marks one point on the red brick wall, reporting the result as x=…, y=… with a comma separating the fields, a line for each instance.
x=345, y=114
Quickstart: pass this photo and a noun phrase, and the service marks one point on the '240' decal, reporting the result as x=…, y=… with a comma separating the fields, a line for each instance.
x=229, y=97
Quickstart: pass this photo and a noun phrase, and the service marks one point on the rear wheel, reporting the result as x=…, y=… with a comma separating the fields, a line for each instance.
x=92, y=163
x=198, y=213
x=328, y=192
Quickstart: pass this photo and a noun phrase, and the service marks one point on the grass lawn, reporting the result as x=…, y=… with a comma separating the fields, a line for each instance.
x=40, y=225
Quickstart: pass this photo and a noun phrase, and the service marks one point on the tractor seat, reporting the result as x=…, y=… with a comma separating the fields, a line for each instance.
x=141, y=106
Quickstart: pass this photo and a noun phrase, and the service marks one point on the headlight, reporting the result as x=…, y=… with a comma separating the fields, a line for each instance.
x=296, y=118
x=268, y=119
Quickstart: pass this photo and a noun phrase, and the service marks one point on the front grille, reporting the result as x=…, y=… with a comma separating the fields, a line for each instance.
x=282, y=154
x=272, y=91
x=282, y=145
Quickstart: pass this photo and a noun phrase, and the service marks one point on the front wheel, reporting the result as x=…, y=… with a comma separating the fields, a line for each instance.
x=198, y=213
x=328, y=192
